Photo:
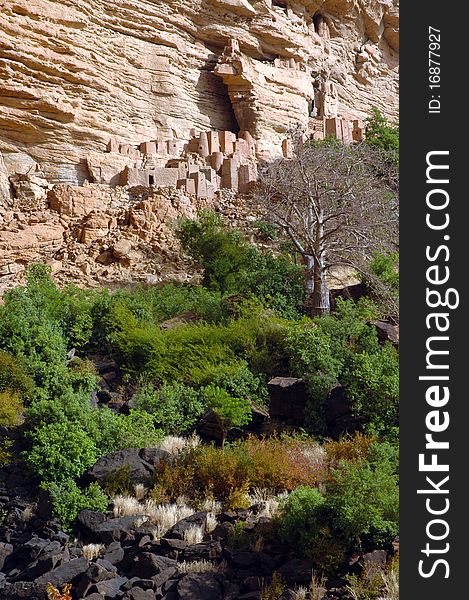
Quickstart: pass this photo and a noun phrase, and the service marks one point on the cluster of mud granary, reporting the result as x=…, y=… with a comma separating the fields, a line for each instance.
x=204, y=164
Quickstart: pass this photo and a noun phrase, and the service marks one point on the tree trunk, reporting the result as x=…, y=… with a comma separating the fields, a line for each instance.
x=309, y=274
x=320, y=302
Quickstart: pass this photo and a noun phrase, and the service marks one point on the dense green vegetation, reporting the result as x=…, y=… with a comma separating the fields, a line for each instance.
x=181, y=350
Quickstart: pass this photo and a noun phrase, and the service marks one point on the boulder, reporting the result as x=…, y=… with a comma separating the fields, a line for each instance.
x=349, y=292
x=210, y=427
x=200, y=586
x=117, y=529
x=338, y=412
x=210, y=551
x=387, y=332
x=111, y=588
x=140, y=463
x=5, y=551
x=147, y=565
x=66, y=573
x=89, y=520
x=288, y=399
x=297, y=571
x=122, y=249
x=177, y=531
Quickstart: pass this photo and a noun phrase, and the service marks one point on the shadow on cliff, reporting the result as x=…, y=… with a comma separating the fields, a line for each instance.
x=213, y=100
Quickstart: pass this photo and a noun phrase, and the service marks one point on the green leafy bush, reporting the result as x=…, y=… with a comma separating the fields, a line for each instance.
x=267, y=231
x=363, y=495
x=61, y=451
x=304, y=524
x=68, y=500
x=381, y=134
x=238, y=380
x=344, y=348
x=372, y=383
x=224, y=255
x=302, y=517
x=137, y=430
x=175, y=407
x=232, y=412
x=232, y=265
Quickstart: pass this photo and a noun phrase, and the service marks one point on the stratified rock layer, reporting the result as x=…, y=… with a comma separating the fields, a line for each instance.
x=74, y=73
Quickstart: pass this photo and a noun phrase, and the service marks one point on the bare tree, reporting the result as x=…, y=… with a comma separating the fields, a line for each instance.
x=338, y=204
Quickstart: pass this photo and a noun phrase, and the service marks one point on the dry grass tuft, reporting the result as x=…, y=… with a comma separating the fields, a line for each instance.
x=140, y=491
x=27, y=514
x=211, y=522
x=91, y=551
x=201, y=566
x=127, y=506
x=194, y=534
x=300, y=594
x=175, y=445
x=163, y=516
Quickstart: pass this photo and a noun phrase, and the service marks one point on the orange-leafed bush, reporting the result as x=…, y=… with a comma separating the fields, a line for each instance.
x=54, y=594
x=11, y=409
x=348, y=448
x=273, y=463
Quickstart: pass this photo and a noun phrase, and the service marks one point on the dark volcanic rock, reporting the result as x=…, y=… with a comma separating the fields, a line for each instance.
x=210, y=551
x=288, y=399
x=89, y=520
x=210, y=427
x=114, y=553
x=200, y=586
x=339, y=416
x=178, y=530
x=147, y=565
x=139, y=462
x=349, y=292
x=387, y=332
x=297, y=571
x=110, y=588
x=65, y=573
x=115, y=530
x=5, y=551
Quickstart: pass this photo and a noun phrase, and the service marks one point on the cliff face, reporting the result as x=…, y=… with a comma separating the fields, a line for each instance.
x=74, y=73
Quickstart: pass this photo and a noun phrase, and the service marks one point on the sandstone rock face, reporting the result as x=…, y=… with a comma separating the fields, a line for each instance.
x=75, y=74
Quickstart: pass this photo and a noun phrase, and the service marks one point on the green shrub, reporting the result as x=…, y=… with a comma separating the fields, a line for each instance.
x=232, y=265
x=363, y=495
x=267, y=231
x=302, y=516
x=222, y=254
x=276, y=282
x=68, y=500
x=344, y=348
x=137, y=430
x=381, y=134
x=232, y=412
x=175, y=407
x=238, y=380
x=61, y=451
x=385, y=267
x=372, y=383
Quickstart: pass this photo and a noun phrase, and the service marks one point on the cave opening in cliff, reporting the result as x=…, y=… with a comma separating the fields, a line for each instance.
x=321, y=26
x=151, y=180
x=280, y=4
x=230, y=114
